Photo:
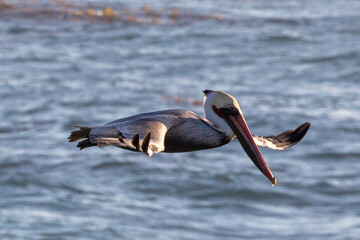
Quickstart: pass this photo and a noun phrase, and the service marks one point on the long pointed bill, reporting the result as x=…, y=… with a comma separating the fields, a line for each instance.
x=242, y=132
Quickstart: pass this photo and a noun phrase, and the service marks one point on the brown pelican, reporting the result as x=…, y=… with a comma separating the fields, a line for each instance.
x=179, y=130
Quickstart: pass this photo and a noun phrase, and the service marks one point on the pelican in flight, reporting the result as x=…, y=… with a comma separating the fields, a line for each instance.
x=179, y=130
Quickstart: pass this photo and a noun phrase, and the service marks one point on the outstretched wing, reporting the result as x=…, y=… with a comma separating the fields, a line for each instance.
x=284, y=140
x=143, y=135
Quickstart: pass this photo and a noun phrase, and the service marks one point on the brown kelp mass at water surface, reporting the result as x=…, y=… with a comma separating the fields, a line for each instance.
x=95, y=13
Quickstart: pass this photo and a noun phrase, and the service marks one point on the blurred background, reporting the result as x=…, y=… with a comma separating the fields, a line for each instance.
x=66, y=63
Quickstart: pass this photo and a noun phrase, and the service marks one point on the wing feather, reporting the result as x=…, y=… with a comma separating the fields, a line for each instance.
x=283, y=140
x=143, y=135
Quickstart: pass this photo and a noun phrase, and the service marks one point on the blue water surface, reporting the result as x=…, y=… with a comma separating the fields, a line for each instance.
x=87, y=63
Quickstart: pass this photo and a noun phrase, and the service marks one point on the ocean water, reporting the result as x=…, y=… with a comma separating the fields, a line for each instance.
x=87, y=63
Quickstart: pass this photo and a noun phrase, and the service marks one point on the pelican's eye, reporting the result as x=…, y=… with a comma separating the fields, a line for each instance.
x=233, y=111
x=229, y=111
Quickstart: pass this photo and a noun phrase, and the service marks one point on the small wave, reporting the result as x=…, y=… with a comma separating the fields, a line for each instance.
x=112, y=164
x=5, y=129
x=287, y=37
x=284, y=21
x=71, y=188
x=27, y=180
x=18, y=30
x=334, y=155
x=23, y=180
x=33, y=57
x=11, y=163
x=17, y=126
x=328, y=58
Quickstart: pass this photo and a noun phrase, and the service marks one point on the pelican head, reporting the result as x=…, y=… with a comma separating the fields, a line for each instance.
x=224, y=112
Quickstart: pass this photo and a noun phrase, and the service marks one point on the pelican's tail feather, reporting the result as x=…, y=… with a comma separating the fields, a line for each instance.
x=83, y=132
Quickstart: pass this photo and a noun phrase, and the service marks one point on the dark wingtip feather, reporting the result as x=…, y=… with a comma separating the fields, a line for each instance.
x=295, y=136
x=145, y=143
x=300, y=132
x=135, y=142
x=85, y=143
x=290, y=137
